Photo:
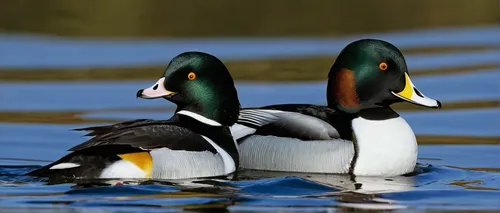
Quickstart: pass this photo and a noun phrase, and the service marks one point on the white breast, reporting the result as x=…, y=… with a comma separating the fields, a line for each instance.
x=287, y=154
x=385, y=147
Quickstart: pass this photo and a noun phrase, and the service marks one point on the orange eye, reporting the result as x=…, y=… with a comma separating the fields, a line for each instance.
x=383, y=66
x=191, y=76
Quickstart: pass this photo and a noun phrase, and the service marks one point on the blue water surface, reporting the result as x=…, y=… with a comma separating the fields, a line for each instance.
x=449, y=176
x=29, y=51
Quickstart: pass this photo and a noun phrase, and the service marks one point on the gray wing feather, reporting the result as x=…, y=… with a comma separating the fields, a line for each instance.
x=287, y=124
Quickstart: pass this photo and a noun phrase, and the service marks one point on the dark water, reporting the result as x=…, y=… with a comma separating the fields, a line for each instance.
x=35, y=119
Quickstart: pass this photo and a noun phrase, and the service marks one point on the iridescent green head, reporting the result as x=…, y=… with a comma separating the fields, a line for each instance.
x=371, y=73
x=200, y=83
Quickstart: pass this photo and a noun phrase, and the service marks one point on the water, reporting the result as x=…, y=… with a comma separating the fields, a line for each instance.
x=35, y=119
x=23, y=51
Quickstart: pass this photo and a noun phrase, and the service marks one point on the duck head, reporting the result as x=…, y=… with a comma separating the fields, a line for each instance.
x=372, y=73
x=200, y=83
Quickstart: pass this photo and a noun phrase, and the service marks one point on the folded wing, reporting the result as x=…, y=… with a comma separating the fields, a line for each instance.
x=304, y=122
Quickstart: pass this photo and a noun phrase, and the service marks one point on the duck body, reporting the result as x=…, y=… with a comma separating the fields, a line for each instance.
x=181, y=147
x=356, y=133
x=194, y=142
x=304, y=138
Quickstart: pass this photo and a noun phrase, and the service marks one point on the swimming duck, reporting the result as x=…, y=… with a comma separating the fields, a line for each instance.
x=357, y=133
x=194, y=142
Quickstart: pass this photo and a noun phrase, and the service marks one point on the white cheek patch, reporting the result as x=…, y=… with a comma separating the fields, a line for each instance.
x=157, y=90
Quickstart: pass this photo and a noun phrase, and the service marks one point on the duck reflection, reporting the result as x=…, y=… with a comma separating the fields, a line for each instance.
x=358, y=184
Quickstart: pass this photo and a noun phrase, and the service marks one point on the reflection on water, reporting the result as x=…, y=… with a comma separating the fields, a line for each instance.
x=368, y=185
x=434, y=187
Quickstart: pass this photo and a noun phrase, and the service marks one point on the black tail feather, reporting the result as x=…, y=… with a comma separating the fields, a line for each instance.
x=91, y=166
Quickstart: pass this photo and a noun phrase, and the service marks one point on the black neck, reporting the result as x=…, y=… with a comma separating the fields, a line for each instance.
x=378, y=113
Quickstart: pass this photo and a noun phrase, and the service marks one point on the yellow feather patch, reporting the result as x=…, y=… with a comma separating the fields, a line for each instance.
x=142, y=160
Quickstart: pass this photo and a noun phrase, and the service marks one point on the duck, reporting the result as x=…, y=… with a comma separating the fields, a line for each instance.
x=195, y=142
x=357, y=132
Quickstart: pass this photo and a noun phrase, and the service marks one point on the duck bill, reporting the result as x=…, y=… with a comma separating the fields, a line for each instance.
x=156, y=91
x=411, y=94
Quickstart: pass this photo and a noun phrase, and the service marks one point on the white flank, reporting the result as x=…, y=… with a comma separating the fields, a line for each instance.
x=229, y=165
x=123, y=169
x=181, y=164
x=273, y=153
x=386, y=147
x=65, y=166
x=199, y=118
